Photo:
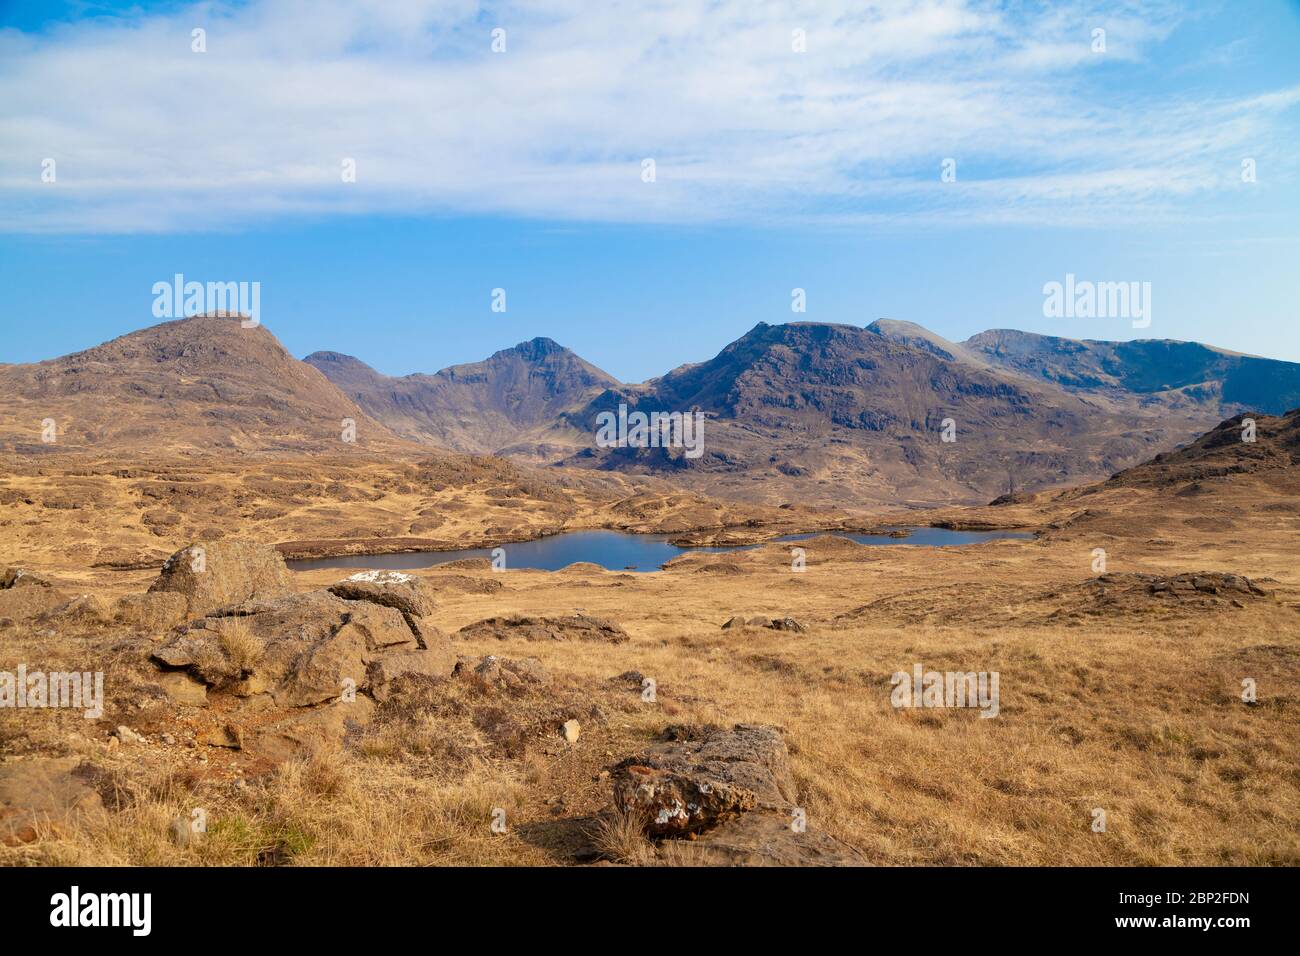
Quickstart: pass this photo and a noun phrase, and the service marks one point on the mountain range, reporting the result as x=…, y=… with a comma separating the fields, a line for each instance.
x=837, y=414
x=809, y=412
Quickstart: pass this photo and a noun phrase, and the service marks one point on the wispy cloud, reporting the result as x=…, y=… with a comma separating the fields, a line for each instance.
x=150, y=136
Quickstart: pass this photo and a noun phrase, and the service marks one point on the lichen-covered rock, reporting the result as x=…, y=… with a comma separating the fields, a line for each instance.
x=571, y=627
x=694, y=779
x=216, y=574
x=405, y=592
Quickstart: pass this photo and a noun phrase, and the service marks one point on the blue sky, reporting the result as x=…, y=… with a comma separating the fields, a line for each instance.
x=775, y=169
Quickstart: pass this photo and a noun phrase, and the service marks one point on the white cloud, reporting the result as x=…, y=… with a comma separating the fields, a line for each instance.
x=149, y=136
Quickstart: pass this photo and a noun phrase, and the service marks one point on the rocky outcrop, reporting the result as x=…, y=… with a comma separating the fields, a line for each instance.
x=405, y=592
x=319, y=658
x=731, y=792
x=301, y=649
x=26, y=595
x=44, y=794
x=693, y=780
x=572, y=627
x=772, y=623
x=211, y=575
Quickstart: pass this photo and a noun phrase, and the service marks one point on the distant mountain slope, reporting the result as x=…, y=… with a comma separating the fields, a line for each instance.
x=824, y=412
x=202, y=382
x=1223, y=452
x=1151, y=369
x=494, y=405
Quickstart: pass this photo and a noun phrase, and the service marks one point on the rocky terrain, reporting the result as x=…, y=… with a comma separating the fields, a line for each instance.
x=727, y=709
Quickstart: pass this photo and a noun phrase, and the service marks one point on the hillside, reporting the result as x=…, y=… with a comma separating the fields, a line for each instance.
x=497, y=405
x=196, y=383
x=1150, y=370
x=836, y=413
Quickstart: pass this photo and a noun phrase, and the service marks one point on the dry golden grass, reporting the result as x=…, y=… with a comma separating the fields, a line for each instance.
x=620, y=836
x=1139, y=715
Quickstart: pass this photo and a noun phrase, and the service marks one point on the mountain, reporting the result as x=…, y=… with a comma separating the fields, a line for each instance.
x=198, y=383
x=1151, y=371
x=510, y=403
x=836, y=413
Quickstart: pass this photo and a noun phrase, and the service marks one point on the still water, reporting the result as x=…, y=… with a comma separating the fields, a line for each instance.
x=618, y=551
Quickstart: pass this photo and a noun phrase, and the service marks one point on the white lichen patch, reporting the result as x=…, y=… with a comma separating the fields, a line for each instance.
x=382, y=577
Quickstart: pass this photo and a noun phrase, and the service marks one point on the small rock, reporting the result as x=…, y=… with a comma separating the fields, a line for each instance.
x=571, y=729
x=128, y=736
x=168, y=739
x=229, y=736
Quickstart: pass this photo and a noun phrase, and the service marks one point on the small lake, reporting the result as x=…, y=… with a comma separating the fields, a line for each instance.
x=619, y=551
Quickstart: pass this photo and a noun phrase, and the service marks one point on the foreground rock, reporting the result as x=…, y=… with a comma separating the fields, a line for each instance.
x=696, y=779
x=215, y=574
x=405, y=592
x=572, y=627
x=731, y=791
x=44, y=794
x=302, y=649
x=318, y=658
x=772, y=623
x=24, y=595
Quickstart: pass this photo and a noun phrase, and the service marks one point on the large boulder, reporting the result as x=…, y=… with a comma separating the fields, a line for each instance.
x=405, y=592
x=25, y=595
x=731, y=792
x=694, y=779
x=570, y=627
x=304, y=649
x=45, y=794
x=216, y=574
